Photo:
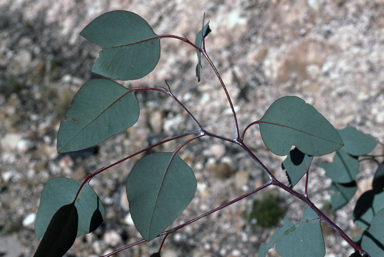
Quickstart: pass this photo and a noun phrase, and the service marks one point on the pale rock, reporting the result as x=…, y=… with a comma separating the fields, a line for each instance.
x=173, y=123
x=236, y=252
x=8, y=175
x=97, y=247
x=313, y=71
x=29, y=220
x=241, y=179
x=169, y=252
x=218, y=150
x=10, y=141
x=24, y=59
x=128, y=219
x=24, y=145
x=314, y=4
x=123, y=199
x=112, y=238
x=156, y=121
x=66, y=162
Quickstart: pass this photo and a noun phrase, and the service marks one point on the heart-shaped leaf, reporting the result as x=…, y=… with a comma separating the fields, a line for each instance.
x=62, y=191
x=60, y=234
x=159, y=188
x=343, y=169
x=198, y=41
x=344, y=193
x=296, y=164
x=100, y=109
x=290, y=121
x=297, y=240
x=356, y=143
x=130, y=47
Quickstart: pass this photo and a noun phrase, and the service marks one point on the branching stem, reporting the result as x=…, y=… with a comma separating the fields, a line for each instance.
x=89, y=177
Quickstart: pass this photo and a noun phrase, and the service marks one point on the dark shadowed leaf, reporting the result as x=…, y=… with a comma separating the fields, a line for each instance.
x=100, y=109
x=62, y=191
x=206, y=30
x=343, y=169
x=296, y=164
x=297, y=240
x=369, y=203
x=128, y=50
x=378, y=179
x=344, y=193
x=155, y=254
x=159, y=188
x=373, y=238
x=290, y=121
x=355, y=142
x=60, y=233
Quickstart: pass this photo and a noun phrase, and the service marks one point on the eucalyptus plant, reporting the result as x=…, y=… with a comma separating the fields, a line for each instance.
x=161, y=185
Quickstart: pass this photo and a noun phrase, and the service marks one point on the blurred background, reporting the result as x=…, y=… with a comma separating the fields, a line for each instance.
x=328, y=52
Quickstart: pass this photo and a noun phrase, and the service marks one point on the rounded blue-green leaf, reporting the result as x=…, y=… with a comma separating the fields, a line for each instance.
x=373, y=239
x=130, y=47
x=60, y=234
x=99, y=110
x=343, y=169
x=297, y=240
x=159, y=188
x=290, y=121
x=356, y=142
x=62, y=191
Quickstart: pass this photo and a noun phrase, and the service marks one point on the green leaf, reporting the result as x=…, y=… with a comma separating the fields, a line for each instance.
x=159, y=188
x=296, y=164
x=60, y=234
x=378, y=179
x=297, y=240
x=100, y=109
x=343, y=169
x=344, y=193
x=373, y=238
x=130, y=49
x=59, y=192
x=290, y=121
x=198, y=41
x=367, y=206
x=356, y=143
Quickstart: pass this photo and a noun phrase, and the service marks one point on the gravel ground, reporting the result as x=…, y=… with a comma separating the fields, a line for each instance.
x=328, y=52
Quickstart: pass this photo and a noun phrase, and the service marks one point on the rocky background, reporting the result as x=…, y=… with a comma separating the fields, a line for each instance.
x=328, y=52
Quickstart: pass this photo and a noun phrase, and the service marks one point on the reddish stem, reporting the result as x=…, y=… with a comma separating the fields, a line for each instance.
x=225, y=90
x=162, y=242
x=253, y=123
x=305, y=199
